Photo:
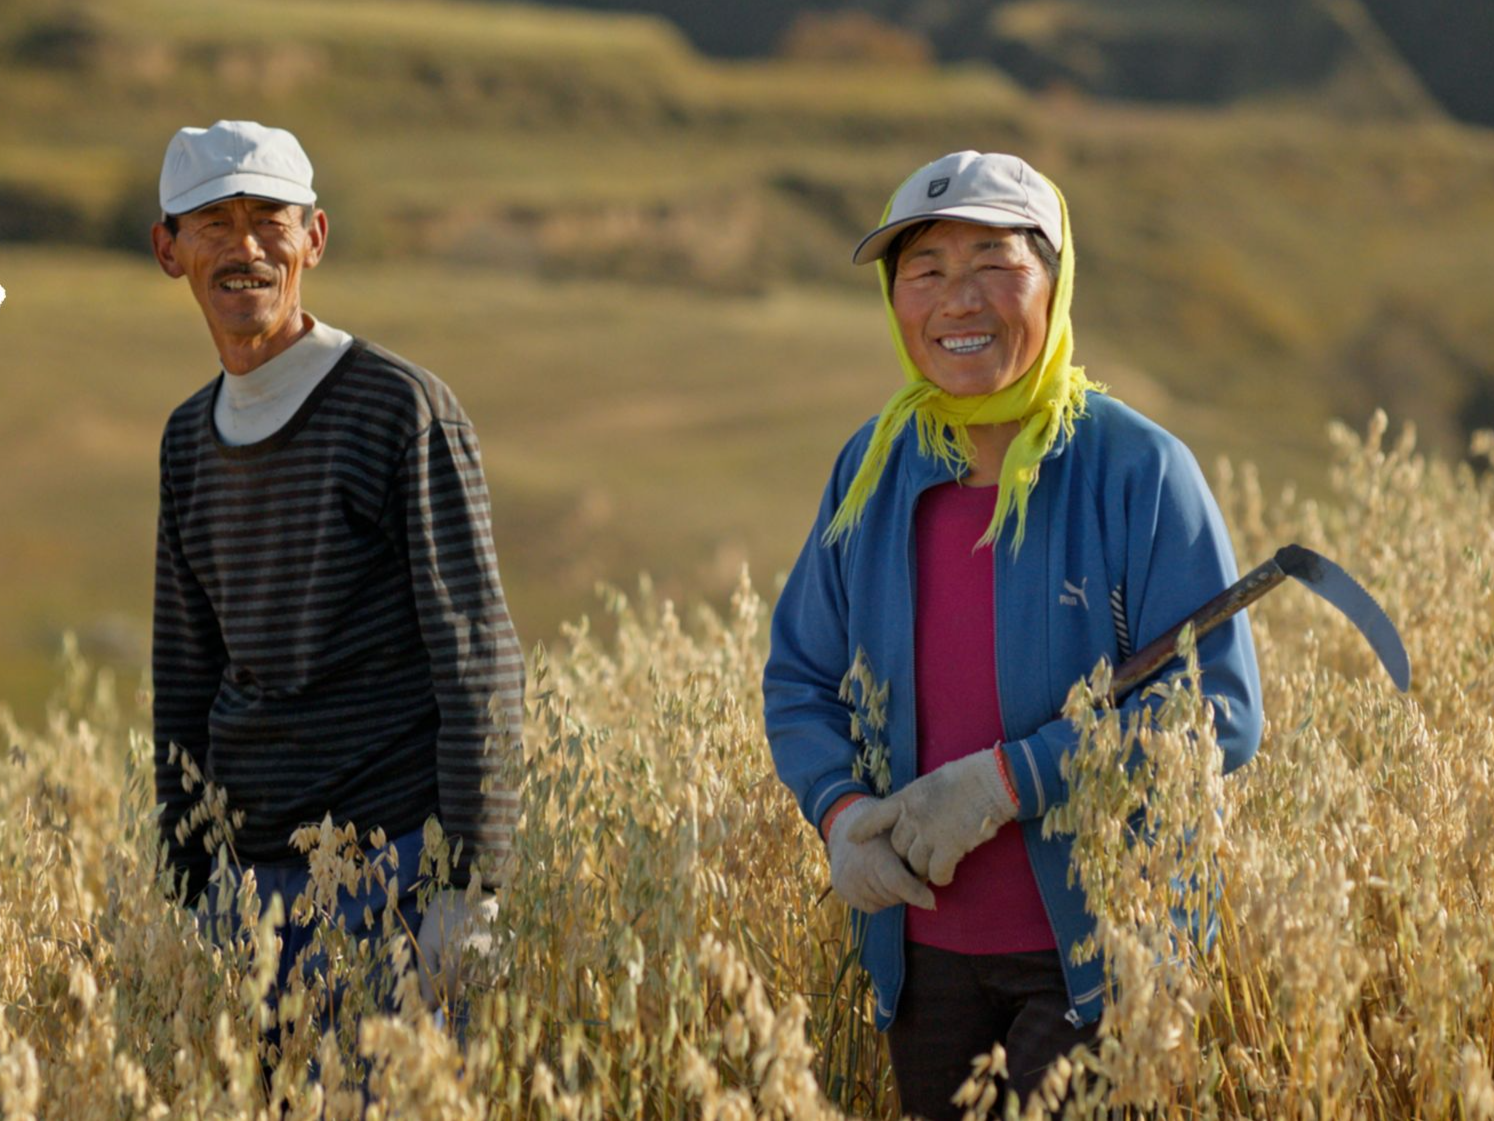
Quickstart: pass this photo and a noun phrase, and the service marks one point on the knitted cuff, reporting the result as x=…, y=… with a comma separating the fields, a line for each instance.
x=843, y=803
x=1003, y=769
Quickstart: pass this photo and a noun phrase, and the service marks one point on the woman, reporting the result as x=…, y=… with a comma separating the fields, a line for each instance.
x=995, y=531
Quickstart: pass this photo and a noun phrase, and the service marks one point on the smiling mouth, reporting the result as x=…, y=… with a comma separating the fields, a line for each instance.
x=244, y=284
x=966, y=344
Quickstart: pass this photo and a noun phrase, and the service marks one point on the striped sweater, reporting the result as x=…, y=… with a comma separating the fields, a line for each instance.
x=330, y=633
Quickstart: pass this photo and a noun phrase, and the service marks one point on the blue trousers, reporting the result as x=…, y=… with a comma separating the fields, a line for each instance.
x=289, y=881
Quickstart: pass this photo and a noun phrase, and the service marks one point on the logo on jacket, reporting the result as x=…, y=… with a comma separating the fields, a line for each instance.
x=1076, y=594
x=938, y=187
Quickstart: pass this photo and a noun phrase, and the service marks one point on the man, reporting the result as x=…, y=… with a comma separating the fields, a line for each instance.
x=330, y=632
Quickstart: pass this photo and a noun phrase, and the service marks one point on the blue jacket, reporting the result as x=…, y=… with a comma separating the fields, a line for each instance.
x=1123, y=540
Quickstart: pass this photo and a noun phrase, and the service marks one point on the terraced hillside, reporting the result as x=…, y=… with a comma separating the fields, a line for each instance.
x=631, y=262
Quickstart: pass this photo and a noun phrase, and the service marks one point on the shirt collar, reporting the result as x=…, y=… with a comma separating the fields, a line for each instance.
x=309, y=357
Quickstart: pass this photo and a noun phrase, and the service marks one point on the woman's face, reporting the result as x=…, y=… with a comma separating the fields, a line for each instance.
x=972, y=304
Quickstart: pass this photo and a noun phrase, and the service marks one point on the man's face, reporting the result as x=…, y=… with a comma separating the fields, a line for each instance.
x=243, y=258
x=972, y=304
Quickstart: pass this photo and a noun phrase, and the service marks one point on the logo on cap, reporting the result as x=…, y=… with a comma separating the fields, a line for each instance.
x=938, y=187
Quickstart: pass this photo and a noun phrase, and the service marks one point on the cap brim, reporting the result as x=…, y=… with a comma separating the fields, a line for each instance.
x=875, y=244
x=243, y=184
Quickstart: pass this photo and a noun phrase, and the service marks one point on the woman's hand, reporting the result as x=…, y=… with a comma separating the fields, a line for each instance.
x=868, y=874
x=938, y=818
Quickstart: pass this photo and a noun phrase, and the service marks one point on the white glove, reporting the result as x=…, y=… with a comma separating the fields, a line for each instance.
x=450, y=927
x=868, y=874
x=938, y=818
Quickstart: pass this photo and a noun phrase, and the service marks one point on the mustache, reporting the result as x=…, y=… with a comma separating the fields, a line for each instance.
x=250, y=272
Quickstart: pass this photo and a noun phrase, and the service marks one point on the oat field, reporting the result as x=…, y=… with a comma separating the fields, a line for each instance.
x=631, y=262
x=665, y=952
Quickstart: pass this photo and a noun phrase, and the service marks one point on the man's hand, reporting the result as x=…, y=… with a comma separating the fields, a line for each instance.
x=868, y=874
x=937, y=819
x=451, y=926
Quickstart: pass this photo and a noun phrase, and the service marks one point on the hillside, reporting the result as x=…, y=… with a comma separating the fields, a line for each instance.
x=1399, y=56
x=631, y=262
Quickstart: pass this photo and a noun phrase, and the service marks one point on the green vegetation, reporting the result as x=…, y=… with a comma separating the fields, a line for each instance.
x=631, y=263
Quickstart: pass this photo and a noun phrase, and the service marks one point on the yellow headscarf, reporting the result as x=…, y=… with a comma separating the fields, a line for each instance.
x=1046, y=399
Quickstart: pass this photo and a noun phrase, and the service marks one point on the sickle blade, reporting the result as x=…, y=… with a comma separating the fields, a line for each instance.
x=1343, y=591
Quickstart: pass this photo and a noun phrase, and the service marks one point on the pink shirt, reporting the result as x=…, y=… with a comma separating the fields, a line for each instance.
x=992, y=906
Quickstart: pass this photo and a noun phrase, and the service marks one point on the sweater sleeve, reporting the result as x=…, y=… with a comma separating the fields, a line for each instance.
x=187, y=662
x=477, y=667
x=1178, y=556
x=808, y=725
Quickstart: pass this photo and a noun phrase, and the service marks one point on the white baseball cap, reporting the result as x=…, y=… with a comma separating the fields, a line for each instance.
x=987, y=188
x=204, y=165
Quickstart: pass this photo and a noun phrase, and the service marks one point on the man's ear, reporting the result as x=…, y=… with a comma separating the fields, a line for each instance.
x=164, y=244
x=316, y=239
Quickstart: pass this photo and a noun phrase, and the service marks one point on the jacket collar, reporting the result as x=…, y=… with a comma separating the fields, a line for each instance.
x=921, y=471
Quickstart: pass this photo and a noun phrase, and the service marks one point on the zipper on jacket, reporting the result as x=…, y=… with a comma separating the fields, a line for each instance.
x=910, y=561
x=1072, y=1015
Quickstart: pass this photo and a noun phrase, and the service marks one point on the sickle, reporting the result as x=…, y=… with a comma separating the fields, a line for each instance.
x=1315, y=571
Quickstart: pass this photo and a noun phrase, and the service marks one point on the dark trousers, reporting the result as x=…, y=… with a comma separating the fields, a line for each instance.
x=956, y=1006
x=289, y=881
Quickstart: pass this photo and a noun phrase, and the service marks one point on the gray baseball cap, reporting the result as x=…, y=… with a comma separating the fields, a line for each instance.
x=206, y=165
x=987, y=188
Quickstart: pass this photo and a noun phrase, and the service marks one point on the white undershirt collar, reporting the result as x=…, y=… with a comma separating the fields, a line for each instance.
x=256, y=405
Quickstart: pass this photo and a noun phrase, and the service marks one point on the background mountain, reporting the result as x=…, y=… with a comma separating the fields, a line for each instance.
x=631, y=261
x=1401, y=55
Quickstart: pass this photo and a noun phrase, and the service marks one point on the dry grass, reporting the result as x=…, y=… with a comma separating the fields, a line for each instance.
x=663, y=952
x=632, y=264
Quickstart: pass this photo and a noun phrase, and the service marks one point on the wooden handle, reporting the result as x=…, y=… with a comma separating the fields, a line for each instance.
x=1157, y=653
